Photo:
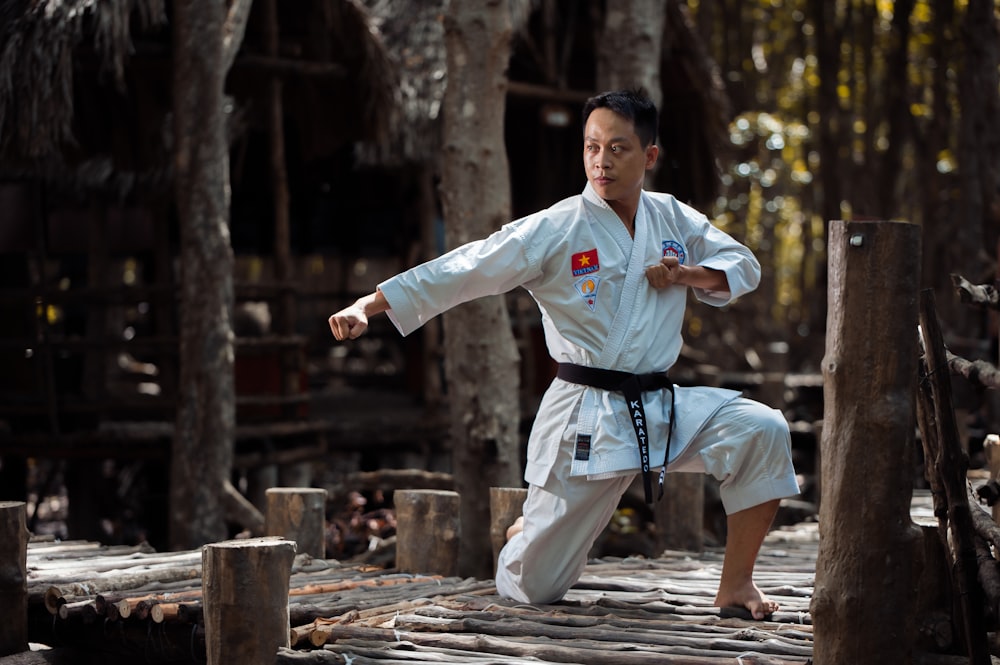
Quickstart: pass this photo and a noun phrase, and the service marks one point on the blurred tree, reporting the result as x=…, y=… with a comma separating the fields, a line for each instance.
x=857, y=108
x=205, y=43
x=481, y=357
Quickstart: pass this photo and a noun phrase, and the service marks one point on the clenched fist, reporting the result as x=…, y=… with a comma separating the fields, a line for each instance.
x=665, y=273
x=351, y=322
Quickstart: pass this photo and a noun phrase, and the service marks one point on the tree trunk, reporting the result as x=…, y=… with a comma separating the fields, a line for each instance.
x=979, y=142
x=869, y=542
x=628, y=53
x=632, y=33
x=897, y=111
x=203, y=444
x=481, y=358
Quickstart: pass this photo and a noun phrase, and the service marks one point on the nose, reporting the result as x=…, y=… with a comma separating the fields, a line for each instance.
x=601, y=160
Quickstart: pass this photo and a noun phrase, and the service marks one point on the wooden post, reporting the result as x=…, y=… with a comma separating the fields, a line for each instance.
x=506, y=504
x=680, y=515
x=13, y=578
x=299, y=514
x=866, y=578
x=428, y=529
x=245, y=590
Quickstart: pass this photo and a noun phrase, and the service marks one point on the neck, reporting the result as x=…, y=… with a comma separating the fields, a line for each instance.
x=626, y=214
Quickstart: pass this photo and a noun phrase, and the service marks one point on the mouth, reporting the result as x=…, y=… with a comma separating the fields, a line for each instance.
x=602, y=180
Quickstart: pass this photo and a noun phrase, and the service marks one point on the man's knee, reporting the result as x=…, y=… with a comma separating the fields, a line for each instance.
x=528, y=588
x=519, y=580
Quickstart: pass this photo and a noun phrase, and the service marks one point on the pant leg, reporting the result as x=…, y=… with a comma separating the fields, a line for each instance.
x=745, y=445
x=561, y=522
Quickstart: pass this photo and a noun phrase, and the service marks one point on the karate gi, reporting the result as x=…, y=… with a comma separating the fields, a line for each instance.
x=587, y=275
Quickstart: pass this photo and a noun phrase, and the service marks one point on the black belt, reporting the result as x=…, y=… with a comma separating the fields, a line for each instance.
x=632, y=386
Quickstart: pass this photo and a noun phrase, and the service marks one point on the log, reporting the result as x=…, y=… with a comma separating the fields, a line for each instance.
x=397, y=479
x=952, y=465
x=299, y=514
x=61, y=656
x=245, y=586
x=985, y=295
x=869, y=369
x=350, y=639
x=427, y=532
x=991, y=448
x=506, y=505
x=13, y=578
x=238, y=509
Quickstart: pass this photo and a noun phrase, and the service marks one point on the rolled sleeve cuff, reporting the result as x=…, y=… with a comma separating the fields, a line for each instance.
x=402, y=310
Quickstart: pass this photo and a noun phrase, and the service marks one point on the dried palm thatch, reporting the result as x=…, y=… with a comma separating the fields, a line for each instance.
x=37, y=45
x=413, y=33
x=52, y=51
x=374, y=71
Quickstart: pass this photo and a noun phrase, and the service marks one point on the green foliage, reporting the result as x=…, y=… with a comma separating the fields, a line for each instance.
x=770, y=54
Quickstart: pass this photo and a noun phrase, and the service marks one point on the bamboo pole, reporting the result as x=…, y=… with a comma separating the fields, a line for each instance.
x=13, y=578
x=245, y=586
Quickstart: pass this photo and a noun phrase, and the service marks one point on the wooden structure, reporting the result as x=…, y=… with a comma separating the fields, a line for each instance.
x=88, y=283
x=245, y=587
x=298, y=514
x=867, y=449
x=126, y=603
x=13, y=580
x=428, y=531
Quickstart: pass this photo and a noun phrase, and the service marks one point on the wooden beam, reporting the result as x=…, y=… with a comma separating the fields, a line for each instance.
x=286, y=66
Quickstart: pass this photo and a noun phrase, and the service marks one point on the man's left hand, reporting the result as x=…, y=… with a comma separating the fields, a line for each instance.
x=665, y=273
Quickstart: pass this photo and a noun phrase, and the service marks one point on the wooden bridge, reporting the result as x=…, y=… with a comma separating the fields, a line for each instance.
x=93, y=603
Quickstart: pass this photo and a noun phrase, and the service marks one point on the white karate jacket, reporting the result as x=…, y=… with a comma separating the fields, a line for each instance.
x=587, y=275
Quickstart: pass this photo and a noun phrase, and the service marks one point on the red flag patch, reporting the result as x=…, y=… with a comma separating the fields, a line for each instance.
x=584, y=263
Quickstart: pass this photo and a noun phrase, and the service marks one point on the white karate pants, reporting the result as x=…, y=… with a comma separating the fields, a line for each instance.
x=746, y=445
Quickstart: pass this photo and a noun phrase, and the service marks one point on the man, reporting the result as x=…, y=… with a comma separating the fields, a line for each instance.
x=610, y=270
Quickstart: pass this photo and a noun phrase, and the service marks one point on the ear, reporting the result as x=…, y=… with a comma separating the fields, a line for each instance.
x=652, y=152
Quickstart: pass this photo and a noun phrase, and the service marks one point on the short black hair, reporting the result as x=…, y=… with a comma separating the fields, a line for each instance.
x=635, y=105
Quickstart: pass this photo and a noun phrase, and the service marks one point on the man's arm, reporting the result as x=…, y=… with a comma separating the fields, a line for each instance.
x=670, y=271
x=351, y=322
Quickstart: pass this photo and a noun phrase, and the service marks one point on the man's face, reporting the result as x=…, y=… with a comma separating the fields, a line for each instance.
x=615, y=159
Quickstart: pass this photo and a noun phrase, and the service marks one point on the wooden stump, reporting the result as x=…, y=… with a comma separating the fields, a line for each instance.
x=866, y=575
x=680, y=515
x=13, y=578
x=245, y=590
x=299, y=514
x=506, y=505
x=427, y=531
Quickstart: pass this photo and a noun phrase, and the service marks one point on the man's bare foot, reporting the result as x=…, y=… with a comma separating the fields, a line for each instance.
x=515, y=528
x=750, y=597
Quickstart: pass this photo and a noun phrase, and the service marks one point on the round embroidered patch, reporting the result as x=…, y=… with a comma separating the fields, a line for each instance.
x=674, y=248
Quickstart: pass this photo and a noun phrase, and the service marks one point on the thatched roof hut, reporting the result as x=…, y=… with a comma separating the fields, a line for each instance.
x=84, y=86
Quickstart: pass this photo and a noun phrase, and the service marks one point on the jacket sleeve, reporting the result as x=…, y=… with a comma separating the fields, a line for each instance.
x=713, y=248
x=480, y=268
